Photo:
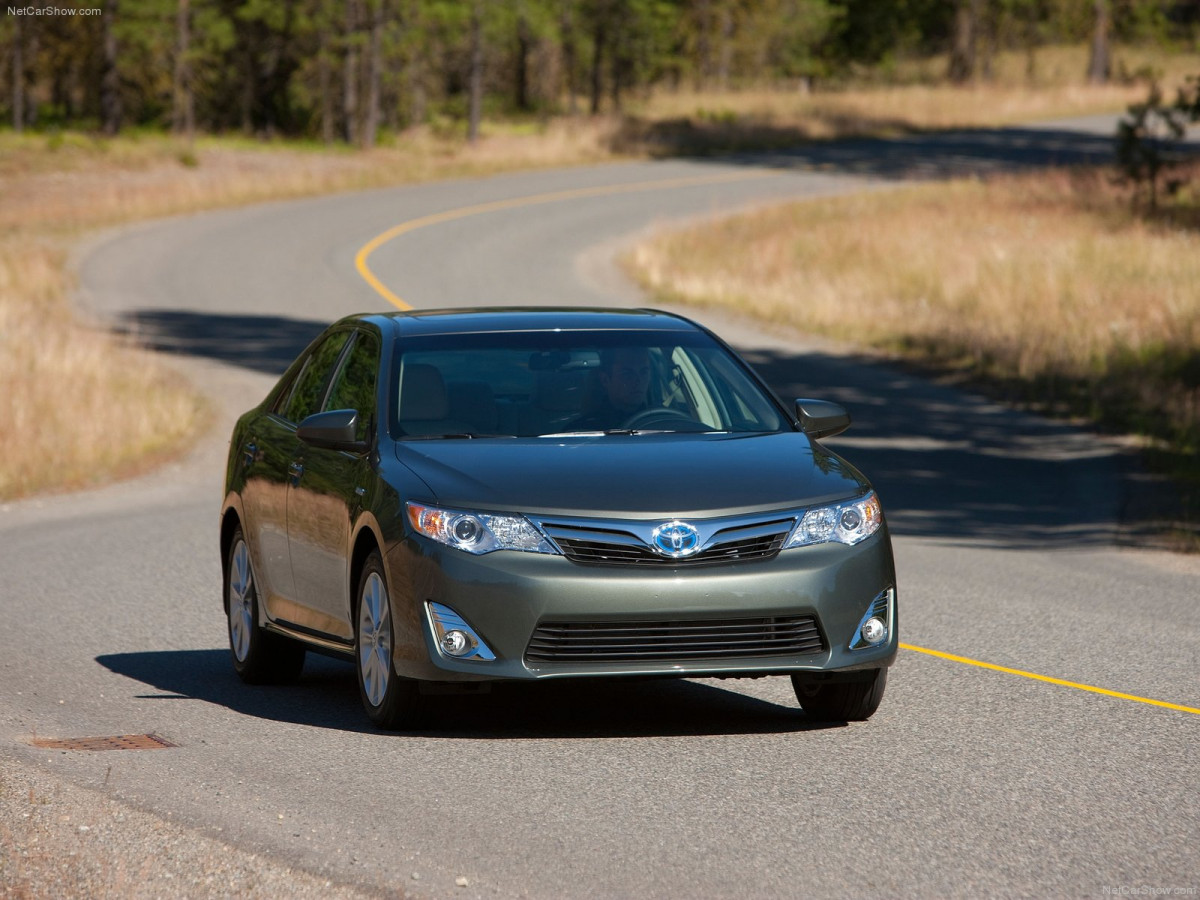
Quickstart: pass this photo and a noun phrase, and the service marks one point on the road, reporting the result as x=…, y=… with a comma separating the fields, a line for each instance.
x=969, y=780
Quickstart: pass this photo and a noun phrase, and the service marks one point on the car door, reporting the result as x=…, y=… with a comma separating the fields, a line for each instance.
x=325, y=495
x=271, y=449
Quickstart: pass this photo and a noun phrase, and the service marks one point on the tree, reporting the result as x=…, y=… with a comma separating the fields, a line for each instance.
x=110, y=81
x=963, y=49
x=374, y=73
x=567, y=38
x=184, y=107
x=1099, y=62
x=18, y=76
x=475, y=76
x=1147, y=134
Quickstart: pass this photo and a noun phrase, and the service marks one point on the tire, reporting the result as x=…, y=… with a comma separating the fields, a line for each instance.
x=259, y=657
x=391, y=702
x=841, y=701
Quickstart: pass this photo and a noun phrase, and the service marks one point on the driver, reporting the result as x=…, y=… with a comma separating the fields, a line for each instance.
x=624, y=377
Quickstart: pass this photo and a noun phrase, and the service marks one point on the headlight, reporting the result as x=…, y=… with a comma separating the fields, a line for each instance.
x=477, y=532
x=846, y=523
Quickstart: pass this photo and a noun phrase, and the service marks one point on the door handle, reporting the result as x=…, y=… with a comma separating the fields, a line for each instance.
x=297, y=470
x=250, y=453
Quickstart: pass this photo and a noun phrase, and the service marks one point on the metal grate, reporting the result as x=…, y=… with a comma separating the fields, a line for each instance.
x=620, y=548
x=120, y=742
x=652, y=641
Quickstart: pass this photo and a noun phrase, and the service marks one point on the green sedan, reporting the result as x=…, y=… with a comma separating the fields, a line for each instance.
x=460, y=497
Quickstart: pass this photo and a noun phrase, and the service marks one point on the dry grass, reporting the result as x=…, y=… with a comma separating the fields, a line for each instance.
x=1057, y=66
x=75, y=404
x=1047, y=286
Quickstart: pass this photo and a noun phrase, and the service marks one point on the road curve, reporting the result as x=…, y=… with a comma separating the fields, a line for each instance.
x=969, y=779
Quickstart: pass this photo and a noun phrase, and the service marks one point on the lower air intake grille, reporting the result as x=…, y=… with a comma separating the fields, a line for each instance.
x=563, y=642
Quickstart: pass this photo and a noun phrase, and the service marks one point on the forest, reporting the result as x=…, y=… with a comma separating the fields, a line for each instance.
x=352, y=71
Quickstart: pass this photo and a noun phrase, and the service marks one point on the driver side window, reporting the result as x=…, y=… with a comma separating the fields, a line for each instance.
x=310, y=385
x=354, y=384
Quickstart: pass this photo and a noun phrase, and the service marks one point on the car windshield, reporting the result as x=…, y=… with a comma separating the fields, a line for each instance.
x=529, y=384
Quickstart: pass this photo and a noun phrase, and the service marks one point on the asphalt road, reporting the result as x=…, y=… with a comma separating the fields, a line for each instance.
x=969, y=780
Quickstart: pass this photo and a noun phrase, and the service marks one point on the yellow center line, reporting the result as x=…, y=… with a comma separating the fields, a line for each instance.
x=360, y=259
x=1046, y=678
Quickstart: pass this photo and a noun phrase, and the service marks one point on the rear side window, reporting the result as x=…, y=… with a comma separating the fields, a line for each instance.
x=309, y=389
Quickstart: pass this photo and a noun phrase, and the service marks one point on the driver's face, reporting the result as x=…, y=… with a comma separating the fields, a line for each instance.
x=628, y=380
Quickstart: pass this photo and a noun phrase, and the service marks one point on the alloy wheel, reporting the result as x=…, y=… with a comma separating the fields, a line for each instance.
x=374, y=639
x=241, y=601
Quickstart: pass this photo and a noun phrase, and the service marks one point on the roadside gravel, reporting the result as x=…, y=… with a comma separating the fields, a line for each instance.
x=58, y=840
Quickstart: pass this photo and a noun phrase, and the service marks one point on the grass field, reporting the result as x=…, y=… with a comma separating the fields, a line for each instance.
x=1047, y=287
x=73, y=396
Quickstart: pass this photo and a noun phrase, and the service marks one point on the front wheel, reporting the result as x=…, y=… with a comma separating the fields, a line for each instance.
x=258, y=656
x=841, y=701
x=391, y=702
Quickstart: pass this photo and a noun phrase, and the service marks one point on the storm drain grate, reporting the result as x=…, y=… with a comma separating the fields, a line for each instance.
x=120, y=742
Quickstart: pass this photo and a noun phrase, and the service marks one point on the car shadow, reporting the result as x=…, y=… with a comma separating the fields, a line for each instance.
x=326, y=696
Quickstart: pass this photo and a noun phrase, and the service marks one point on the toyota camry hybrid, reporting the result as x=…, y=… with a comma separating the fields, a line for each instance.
x=457, y=497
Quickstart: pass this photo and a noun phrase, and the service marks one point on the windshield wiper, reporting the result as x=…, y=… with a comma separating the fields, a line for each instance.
x=453, y=436
x=609, y=432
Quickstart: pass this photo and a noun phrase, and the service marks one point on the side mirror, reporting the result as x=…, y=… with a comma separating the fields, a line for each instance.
x=821, y=419
x=333, y=430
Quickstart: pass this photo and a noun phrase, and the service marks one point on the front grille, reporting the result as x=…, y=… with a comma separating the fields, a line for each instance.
x=563, y=642
x=608, y=547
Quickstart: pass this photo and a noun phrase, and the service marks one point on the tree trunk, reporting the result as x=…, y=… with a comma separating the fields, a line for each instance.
x=419, y=94
x=350, y=75
x=110, y=79
x=184, y=113
x=703, y=45
x=567, y=29
x=374, y=76
x=1031, y=48
x=1100, y=62
x=475, y=80
x=618, y=74
x=524, y=43
x=962, y=51
x=18, y=77
x=598, y=42
x=725, y=51
x=325, y=87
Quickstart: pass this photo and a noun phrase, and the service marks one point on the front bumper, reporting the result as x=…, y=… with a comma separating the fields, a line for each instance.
x=505, y=596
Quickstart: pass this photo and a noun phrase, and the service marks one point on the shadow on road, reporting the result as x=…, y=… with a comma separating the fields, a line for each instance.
x=931, y=155
x=260, y=343
x=327, y=697
x=955, y=467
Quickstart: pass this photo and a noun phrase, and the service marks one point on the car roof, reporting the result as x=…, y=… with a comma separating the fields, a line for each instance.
x=532, y=318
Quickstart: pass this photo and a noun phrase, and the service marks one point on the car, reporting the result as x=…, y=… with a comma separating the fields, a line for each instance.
x=455, y=498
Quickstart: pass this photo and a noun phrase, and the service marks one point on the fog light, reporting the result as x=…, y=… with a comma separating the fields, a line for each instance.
x=454, y=637
x=456, y=643
x=874, y=631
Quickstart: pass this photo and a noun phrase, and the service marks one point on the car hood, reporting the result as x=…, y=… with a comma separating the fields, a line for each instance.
x=632, y=475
